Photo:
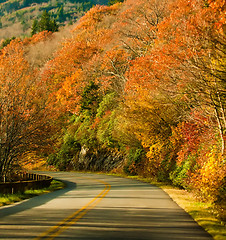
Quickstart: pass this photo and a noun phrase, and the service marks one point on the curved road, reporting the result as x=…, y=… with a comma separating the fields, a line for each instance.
x=99, y=207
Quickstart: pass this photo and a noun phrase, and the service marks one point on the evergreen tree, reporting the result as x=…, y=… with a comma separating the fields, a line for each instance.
x=45, y=24
x=6, y=42
x=34, y=28
x=90, y=98
x=60, y=14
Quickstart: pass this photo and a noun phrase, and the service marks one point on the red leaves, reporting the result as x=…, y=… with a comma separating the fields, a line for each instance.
x=193, y=134
x=161, y=59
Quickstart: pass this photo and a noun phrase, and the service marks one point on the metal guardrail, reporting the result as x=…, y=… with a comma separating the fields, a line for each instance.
x=29, y=181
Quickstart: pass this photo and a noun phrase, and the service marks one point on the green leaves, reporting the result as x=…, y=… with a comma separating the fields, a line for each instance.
x=111, y=2
x=90, y=98
x=46, y=23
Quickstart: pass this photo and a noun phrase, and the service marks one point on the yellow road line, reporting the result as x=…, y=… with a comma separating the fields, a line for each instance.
x=72, y=219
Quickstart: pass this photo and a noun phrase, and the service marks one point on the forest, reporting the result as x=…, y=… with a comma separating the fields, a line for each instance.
x=138, y=87
x=17, y=17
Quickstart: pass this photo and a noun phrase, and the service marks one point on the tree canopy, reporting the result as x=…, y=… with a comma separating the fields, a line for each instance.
x=138, y=87
x=46, y=23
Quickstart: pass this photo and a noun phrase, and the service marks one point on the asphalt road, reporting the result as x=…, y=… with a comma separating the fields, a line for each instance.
x=99, y=207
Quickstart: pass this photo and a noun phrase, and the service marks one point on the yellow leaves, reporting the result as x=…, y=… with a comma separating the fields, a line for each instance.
x=209, y=178
x=30, y=161
x=154, y=157
x=155, y=151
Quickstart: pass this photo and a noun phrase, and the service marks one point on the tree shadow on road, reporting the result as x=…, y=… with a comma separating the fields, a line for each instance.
x=35, y=201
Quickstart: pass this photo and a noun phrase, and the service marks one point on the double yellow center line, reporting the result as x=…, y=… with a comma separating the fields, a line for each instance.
x=72, y=219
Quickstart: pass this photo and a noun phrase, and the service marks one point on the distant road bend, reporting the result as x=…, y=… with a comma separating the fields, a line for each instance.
x=99, y=207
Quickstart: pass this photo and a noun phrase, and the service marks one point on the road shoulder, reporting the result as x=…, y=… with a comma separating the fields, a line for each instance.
x=201, y=212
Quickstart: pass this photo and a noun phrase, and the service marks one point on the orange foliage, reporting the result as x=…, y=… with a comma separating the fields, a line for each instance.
x=164, y=61
x=39, y=37
x=95, y=16
x=76, y=63
x=25, y=123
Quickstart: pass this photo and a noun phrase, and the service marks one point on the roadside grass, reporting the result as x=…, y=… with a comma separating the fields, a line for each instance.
x=6, y=199
x=202, y=212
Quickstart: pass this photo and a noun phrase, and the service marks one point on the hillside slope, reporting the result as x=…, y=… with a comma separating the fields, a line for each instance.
x=16, y=17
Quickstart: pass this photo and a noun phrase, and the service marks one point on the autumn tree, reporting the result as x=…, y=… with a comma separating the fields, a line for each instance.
x=114, y=65
x=24, y=119
x=194, y=37
x=137, y=25
x=144, y=80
